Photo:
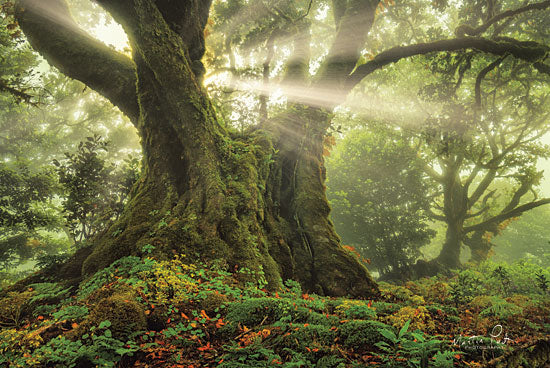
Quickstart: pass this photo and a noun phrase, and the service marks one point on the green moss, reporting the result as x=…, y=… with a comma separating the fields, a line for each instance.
x=252, y=312
x=358, y=333
x=306, y=315
x=212, y=301
x=123, y=311
x=14, y=307
x=304, y=337
x=355, y=309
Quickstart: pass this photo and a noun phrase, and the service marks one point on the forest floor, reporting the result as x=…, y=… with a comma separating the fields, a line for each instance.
x=140, y=312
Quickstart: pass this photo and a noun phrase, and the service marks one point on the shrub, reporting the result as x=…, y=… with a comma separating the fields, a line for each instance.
x=465, y=287
x=124, y=313
x=395, y=292
x=355, y=309
x=420, y=318
x=252, y=312
x=13, y=308
x=430, y=289
x=447, y=309
x=357, y=333
x=383, y=308
x=169, y=282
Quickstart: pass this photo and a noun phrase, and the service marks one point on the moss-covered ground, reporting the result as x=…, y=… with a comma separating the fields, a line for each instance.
x=140, y=312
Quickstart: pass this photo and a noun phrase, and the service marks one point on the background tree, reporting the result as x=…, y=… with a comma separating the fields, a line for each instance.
x=95, y=192
x=42, y=115
x=470, y=149
x=378, y=197
x=25, y=210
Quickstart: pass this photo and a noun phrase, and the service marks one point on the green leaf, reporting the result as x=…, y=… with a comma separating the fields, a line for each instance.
x=383, y=346
x=362, y=60
x=105, y=324
x=404, y=328
x=390, y=335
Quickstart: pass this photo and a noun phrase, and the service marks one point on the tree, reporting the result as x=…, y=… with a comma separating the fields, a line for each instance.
x=256, y=199
x=470, y=150
x=95, y=193
x=24, y=210
x=378, y=197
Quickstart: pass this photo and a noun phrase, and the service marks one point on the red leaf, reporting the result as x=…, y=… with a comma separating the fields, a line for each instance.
x=205, y=348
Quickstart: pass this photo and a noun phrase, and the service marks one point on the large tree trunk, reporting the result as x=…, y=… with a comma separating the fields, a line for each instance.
x=256, y=201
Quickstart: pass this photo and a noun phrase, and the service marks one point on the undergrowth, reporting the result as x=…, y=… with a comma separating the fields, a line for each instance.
x=147, y=313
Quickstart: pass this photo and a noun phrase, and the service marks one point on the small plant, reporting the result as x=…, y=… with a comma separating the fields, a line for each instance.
x=444, y=359
x=465, y=287
x=147, y=249
x=542, y=282
x=47, y=292
x=72, y=312
x=503, y=276
x=413, y=348
x=12, y=308
x=418, y=318
x=501, y=309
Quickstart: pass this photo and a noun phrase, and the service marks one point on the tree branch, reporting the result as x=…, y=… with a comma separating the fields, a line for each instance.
x=524, y=50
x=18, y=94
x=435, y=216
x=482, y=187
x=483, y=205
x=542, y=68
x=482, y=75
x=518, y=211
x=354, y=21
x=506, y=14
x=264, y=96
x=54, y=34
x=526, y=185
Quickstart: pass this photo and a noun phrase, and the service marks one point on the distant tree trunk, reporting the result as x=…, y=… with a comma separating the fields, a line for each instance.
x=454, y=208
x=450, y=253
x=256, y=201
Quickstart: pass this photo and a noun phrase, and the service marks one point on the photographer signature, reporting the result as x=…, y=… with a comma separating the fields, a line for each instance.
x=498, y=338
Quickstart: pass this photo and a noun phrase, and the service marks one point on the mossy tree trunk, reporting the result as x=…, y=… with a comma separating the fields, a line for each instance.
x=255, y=200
